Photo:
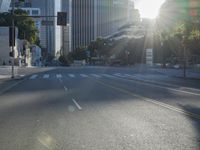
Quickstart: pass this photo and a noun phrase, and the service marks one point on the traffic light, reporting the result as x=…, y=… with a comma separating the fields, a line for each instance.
x=62, y=18
x=11, y=37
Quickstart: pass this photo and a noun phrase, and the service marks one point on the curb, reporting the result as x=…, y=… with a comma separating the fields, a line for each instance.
x=9, y=87
x=190, y=78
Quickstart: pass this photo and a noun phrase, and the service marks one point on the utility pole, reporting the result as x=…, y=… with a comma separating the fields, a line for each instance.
x=184, y=58
x=13, y=38
x=185, y=63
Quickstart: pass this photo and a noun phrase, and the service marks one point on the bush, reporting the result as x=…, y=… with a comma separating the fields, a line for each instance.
x=64, y=61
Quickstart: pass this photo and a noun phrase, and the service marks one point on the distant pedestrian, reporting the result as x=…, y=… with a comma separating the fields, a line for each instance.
x=4, y=63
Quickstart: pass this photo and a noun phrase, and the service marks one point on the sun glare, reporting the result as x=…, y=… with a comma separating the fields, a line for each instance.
x=149, y=8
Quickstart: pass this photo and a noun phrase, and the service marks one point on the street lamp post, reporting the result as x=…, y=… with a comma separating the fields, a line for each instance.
x=13, y=38
x=163, y=55
x=184, y=58
x=127, y=56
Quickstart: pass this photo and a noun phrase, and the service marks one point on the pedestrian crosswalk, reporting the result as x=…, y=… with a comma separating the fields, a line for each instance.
x=33, y=77
x=84, y=75
x=71, y=75
x=58, y=76
x=46, y=76
x=95, y=75
x=74, y=76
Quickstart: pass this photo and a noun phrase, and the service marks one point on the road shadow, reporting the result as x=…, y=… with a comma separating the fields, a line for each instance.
x=194, y=119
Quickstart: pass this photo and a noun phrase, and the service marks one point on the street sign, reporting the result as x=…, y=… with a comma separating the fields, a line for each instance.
x=47, y=23
x=61, y=18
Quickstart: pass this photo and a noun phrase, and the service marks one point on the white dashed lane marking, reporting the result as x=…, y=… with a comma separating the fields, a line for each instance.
x=33, y=77
x=77, y=105
x=65, y=88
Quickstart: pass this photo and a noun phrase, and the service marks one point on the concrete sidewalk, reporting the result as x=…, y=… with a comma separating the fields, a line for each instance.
x=6, y=71
x=190, y=74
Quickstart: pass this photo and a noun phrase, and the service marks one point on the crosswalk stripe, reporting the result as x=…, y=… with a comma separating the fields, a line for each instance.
x=118, y=74
x=128, y=75
x=84, y=75
x=107, y=75
x=46, y=76
x=95, y=75
x=71, y=75
x=58, y=76
x=33, y=77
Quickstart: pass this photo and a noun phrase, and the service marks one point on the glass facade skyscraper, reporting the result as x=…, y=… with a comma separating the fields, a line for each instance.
x=52, y=38
x=4, y=5
x=90, y=19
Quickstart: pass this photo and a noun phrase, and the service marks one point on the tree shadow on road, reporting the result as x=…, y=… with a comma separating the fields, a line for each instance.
x=193, y=114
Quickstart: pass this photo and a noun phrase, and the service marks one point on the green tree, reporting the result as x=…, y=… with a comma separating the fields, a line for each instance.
x=79, y=53
x=179, y=27
x=25, y=25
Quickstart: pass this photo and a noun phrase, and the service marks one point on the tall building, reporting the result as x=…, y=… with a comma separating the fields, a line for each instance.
x=4, y=5
x=131, y=11
x=90, y=19
x=52, y=39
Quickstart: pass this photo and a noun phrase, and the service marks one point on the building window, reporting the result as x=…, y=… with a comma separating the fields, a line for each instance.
x=35, y=12
x=28, y=11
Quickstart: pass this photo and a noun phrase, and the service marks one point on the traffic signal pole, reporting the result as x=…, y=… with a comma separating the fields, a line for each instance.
x=61, y=21
x=13, y=39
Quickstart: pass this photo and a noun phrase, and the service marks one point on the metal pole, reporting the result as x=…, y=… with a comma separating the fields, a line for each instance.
x=63, y=41
x=185, y=63
x=47, y=40
x=184, y=58
x=13, y=38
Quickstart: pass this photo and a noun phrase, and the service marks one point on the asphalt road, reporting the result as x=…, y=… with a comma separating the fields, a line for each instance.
x=97, y=108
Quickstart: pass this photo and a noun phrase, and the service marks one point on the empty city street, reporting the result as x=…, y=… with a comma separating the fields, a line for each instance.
x=100, y=108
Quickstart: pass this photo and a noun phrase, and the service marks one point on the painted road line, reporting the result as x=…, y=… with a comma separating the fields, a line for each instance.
x=84, y=75
x=77, y=105
x=66, y=89
x=58, y=76
x=22, y=75
x=46, y=76
x=128, y=75
x=96, y=76
x=33, y=77
x=107, y=75
x=60, y=80
x=119, y=75
x=173, y=108
x=11, y=86
x=146, y=82
x=71, y=75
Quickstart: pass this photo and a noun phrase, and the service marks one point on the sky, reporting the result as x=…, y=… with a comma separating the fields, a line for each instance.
x=149, y=8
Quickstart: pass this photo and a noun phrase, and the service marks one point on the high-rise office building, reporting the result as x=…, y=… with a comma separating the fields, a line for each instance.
x=52, y=38
x=90, y=19
x=4, y=5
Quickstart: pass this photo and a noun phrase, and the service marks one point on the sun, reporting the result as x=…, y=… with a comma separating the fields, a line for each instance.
x=149, y=8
